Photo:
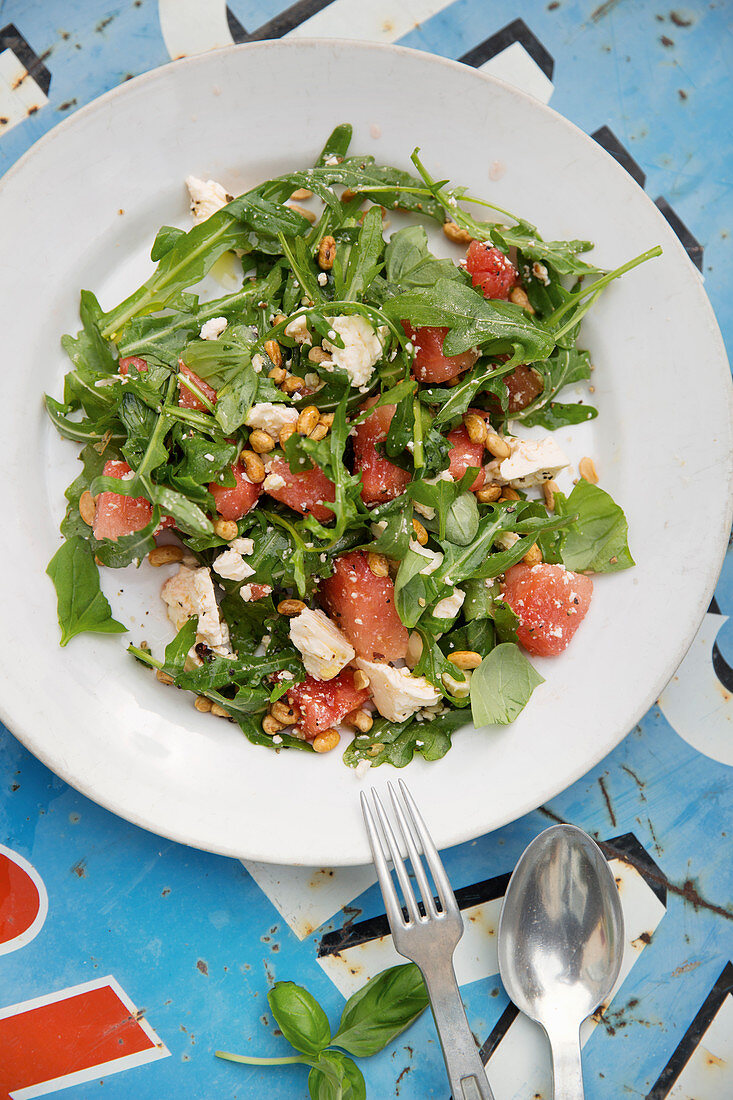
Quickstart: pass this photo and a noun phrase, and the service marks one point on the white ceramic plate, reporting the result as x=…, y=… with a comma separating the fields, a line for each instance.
x=661, y=443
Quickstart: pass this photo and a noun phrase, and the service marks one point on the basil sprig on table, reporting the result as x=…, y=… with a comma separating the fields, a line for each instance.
x=371, y=1020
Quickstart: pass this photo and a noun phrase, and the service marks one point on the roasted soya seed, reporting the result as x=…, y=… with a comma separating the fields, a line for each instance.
x=587, y=470
x=318, y=355
x=380, y=568
x=164, y=555
x=549, y=488
x=518, y=295
x=273, y=352
x=261, y=442
x=360, y=720
x=303, y=212
x=278, y=375
x=509, y=494
x=219, y=711
x=285, y=432
x=301, y=194
x=164, y=677
x=533, y=555
x=324, y=742
x=319, y=432
x=497, y=446
x=308, y=420
x=271, y=726
x=254, y=467
x=488, y=494
x=202, y=704
x=226, y=529
x=290, y=607
x=326, y=253
x=465, y=658
x=285, y=714
x=420, y=533
x=475, y=427
x=361, y=680
x=454, y=233
x=293, y=384
x=87, y=507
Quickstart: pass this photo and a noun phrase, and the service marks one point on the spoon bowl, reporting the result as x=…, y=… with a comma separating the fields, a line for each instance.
x=561, y=939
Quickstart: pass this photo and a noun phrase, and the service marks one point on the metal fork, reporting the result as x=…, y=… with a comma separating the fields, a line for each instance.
x=428, y=938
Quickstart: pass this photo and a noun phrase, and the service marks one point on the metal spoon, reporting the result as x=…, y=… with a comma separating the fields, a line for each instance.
x=561, y=938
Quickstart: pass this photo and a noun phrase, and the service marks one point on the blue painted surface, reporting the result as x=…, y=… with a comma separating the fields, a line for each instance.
x=190, y=936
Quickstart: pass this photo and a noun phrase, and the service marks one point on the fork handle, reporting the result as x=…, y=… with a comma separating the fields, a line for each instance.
x=466, y=1071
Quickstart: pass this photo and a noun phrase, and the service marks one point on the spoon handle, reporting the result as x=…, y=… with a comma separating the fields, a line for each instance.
x=567, y=1072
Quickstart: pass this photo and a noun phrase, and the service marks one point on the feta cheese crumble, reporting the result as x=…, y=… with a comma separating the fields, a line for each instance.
x=324, y=648
x=273, y=481
x=207, y=196
x=298, y=330
x=449, y=606
x=191, y=592
x=362, y=348
x=232, y=566
x=271, y=418
x=213, y=328
x=396, y=693
x=531, y=462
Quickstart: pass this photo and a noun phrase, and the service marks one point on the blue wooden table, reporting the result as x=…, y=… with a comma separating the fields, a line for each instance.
x=154, y=955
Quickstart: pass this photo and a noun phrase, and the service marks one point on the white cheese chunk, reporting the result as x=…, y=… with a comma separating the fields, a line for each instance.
x=207, y=196
x=531, y=462
x=271, y=418
x=232, y=566
x=242, y=546
x=434, y=557
x=449, y=606
x=190, y=592
x=325, y=649
x=396, y=693
x=273, y=482
x=361, y=351
x=258, y=362
x=506, y=539
x=298, y=330
x=213, y=328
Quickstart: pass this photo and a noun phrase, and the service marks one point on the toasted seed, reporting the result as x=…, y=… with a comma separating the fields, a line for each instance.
x=226, y=529
x=518, y=295
x=261, y=441
x=285, y=432
x=279, y=318
x=326, y=253
x=508, y=493
x=285, y=714
x=302, y=211
x=290, y=607
x=420, y=533
x=87, y=507
x=454, y=233
x=271, y=726
x=202, y=704
x=327, y=419
x=164, y=677
x=455, y=381
x=379, y=567
x=465, y=658
x=278, y=375
x=273, y=352
x=318, y=355
x=587, y=470
x=348, y=195
x=293, y=384
x=360, y=720
x=308, y=419
x=549, y=488
x=219, y=711
x=488, y=494
x=533, y=555
x=319, y=432
x=361, y=680
x=254, y=466
x=497, y=446
x=324, y=742
x=300, y=194
x=164, y=555
x=475, y=426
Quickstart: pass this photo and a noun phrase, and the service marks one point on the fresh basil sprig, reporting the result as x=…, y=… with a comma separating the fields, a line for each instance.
x=370, y=1021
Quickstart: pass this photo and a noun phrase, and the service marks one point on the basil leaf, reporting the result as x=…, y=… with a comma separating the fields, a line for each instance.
x=462, y=520
x=409, y=264
x=381, y=1010
x=300, y=1018
x=501, y=686
x=598, y=539
x=81, y=603
x=336, y=1077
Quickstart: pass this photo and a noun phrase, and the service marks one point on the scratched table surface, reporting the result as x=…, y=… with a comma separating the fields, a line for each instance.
x=127, y=960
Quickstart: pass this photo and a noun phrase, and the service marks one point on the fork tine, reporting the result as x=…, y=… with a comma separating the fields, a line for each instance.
x=397, y=862
x=417, y=865
x=434, y=862
x=391, y=903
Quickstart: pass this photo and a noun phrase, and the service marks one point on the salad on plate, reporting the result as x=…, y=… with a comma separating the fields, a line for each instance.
x=344, y=467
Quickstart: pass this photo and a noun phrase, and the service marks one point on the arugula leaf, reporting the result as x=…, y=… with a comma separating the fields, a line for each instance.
x=473, y=320
x=454, y=402
x=557, y=415
x=381, y=1010
x=501, y=686
x=165, y=238
x=561, y=256
x=300, y=1018
x=93, y=464
x=565, y=367
x=598, y=539
x=396, y=743
x=83, y=430
x=364, y=258
x=81, y=604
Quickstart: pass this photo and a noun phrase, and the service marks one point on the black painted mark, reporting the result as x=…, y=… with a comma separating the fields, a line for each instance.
x=517, y=31
x=721, y=668
x=689, y=242
x=498, y=1032
x=630, y=850
x=286, y=21
x=691, y=1039
x=12, y=39
x=236, y=29
x=608, y=140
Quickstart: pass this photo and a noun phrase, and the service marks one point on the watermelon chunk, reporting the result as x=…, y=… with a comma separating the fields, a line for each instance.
x=117, y=515
x=363, y=607
x=550, y=603
x=132, y=362
x=323, y=703
x=381, y=479
x=304, y=492
x=235, y=502
x=491, y=270
x=430, y=364
x=463, y=454
x=188, y=400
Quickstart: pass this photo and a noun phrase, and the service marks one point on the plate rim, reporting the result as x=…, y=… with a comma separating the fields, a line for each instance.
x=22, y=732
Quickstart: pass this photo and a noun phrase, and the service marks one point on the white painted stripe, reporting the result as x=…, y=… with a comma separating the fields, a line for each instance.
x=709, y=1072
x=30, y=933
x=376, y=21
x=515, y=66
x=19, y=92
x=306, y=897
x=193, y=26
